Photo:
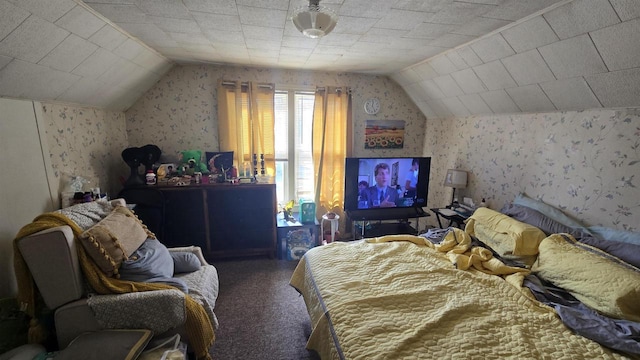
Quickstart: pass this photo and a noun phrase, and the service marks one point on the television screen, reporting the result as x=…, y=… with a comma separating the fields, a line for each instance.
x=379, y=183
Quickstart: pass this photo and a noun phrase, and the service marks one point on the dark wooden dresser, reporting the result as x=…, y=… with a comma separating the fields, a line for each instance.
x=225, y=220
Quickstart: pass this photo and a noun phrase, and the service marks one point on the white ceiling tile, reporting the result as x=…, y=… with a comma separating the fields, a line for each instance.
x=262, y=17
x=262, y=33
x=31, y=81
x=518, y=9
x=425, y=70
x=427, y=30
x=448, y=86
x=218, y=22
x=616, y=88
x=456, y=107
x=431, y=89
x=573, y=57
x=129, y=49
x=189, y=26
x=450, y=40
x=442, y=65
x=108, y=37
x=189, y=39
x=529, y=35
x=619, y=45
x=32, y=40
x=475, y=104
x=356, y=25
x=581, y=16
x=164, y=8
x=570, y=94
x=402, y=20
x=365, y=8
x=626, y=9
x=216, y=36
x=421, y=5
x=96, y=64
x=212, y=6
x=84, y=91
x=480, y=26
x=121, y=13
x=10, y=17
x=425, y=108
x=456, y=60
x=468, y=81
x=492, y=48
x=69, y=54
x=262, y=44
x=499, y=102
x=469, y=57
x=50, y=10
x=460, y=12
x=530, y=98
x=4, y=60
x=528, y=68
x=80, y=22
x=151, y=61
x=494, y=75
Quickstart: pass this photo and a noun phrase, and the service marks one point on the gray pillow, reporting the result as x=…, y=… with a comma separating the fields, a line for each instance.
x=151, y=263
x=184, y=262
x=533, y=217
x=627, y=252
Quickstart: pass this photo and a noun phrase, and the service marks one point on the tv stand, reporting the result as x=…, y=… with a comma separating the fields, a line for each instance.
x=402, y=226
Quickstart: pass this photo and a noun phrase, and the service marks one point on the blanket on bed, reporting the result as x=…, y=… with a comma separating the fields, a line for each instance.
x=396, y=299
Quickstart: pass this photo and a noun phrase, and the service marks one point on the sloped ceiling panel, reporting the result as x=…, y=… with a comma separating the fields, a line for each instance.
x=63, y=50
x=579, y=55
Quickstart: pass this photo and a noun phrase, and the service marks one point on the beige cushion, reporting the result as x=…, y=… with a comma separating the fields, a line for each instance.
x=113, y=239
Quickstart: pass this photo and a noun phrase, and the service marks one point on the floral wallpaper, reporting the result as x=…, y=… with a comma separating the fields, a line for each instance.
x=86, y=142
x=180, y=111
x=586, y=162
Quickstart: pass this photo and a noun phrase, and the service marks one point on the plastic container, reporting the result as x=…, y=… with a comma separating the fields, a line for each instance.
x=151, y=177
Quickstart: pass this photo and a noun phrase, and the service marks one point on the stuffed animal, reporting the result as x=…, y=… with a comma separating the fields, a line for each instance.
x=191, y=163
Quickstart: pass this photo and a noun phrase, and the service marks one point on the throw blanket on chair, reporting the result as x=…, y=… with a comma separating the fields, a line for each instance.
x=198, y=325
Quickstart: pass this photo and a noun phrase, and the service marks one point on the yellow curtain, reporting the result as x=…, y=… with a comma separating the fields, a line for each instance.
x=246, y=122
x=332, y=143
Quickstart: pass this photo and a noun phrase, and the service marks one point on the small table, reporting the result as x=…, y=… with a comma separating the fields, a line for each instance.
x=284, y=227
x=453, y=217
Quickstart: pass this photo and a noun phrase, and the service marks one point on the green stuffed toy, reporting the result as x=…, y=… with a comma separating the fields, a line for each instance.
x=191, y=163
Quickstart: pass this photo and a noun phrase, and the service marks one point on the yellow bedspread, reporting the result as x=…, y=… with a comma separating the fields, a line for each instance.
x=406, y=300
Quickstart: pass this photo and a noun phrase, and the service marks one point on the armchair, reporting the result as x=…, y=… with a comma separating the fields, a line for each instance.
x=52, y=259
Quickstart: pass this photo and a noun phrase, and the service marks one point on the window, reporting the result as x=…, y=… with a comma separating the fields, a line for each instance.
x=293, y=135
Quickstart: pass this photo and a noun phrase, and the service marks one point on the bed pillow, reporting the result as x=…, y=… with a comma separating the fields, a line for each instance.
x=504, y=234
x=629, y=253
x=599, y=280
x=185, y=262
x=615, y=234
x=547, y=210
x=534, y=217
x=113, y=239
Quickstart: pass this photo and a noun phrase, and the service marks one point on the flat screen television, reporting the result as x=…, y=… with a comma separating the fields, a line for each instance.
x=375, y=183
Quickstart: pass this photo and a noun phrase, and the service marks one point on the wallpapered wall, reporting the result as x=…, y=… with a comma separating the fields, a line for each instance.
x=86, y=142
x=180, y=111
x=586, y=163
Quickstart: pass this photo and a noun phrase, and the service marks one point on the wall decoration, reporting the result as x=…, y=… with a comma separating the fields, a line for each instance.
x=384, y=134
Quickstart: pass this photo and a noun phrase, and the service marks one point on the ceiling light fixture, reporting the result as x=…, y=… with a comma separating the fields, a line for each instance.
x=314, y=21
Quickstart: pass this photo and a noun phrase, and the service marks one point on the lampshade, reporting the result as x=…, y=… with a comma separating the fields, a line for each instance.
x=314, y=21
x=456, y=179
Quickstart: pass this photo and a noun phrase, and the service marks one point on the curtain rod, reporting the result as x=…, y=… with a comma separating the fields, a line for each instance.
x=338, y=89
x=264, y=86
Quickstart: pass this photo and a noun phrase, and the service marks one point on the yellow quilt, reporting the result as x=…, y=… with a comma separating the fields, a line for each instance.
x=405, y=300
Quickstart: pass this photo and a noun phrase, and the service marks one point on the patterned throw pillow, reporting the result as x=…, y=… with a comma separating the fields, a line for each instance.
x=113, y=239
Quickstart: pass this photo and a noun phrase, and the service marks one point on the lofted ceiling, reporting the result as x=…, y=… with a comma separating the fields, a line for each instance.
x=108, y=53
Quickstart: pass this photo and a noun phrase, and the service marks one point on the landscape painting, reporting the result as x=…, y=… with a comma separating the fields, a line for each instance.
x=384, y=134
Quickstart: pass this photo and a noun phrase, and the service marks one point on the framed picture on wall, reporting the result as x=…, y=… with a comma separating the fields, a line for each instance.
x=384, y=134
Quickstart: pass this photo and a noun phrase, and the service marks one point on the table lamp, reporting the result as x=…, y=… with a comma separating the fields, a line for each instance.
x=456, y=179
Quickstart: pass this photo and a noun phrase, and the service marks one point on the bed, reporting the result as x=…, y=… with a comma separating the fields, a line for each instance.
x=408, y=297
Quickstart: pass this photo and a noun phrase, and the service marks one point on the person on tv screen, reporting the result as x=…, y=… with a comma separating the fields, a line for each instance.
x=381, y=194
x=412, y=180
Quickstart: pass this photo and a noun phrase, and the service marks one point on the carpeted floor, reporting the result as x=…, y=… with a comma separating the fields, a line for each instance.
x=261, y=316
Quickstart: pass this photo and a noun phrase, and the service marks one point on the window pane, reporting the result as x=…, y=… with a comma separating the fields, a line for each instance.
x=282, y=124
x=305, y=180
